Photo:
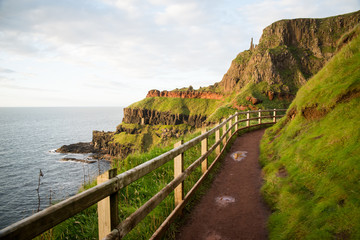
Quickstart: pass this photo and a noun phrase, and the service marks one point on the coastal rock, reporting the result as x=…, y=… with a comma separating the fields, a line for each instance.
x=103, y=144
x=153, y=117
x=78, y=160
x=81, y=147
x=121, y=128
x=101, y=140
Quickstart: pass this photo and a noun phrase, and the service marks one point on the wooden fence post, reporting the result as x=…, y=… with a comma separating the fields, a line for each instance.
x=274, y=118
x=236, y=119
x=217, y=138
x=259, y=120
x=229, y=134
x=178, y=169
x=204, y=148
x=108, y=217
x=223, y=133
x=248, y=117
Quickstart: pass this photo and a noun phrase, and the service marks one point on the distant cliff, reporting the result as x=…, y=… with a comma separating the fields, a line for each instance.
x=185, y=94
x=268, y=75
x=288, y=54
x=153, y=117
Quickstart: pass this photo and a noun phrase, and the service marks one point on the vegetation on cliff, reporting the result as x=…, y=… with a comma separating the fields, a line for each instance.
x=311, y=157
x=187, y=106
x=288, y=54
x=265, y=76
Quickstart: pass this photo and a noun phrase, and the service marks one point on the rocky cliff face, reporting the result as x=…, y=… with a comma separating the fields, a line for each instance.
x=184, y=94
x=267, y=75
x=153, y=117
x=288, y=54
x=103, y=142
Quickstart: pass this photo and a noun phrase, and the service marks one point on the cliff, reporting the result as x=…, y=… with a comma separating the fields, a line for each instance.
x=131, y=138
x=184, y=94
x=311, y=157
x=288, y=54
x=153, y=117
x=268, y=75
x=103, y=143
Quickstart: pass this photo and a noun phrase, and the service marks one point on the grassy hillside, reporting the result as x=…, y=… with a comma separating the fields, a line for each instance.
x=311, y=158
x=187, y=106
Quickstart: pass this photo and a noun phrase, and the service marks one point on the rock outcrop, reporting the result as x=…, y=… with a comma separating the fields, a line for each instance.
x=184, y=94
x=78, y=160
x=81, y=147
x=153, y=117
x=253, y=100
x=288, y=54
x=103, y=143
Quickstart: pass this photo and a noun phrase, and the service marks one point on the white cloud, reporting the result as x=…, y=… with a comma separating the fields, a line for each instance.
x=131, y=7
x=260, y=14
x=185, y=13
x=131, y=46
x=6, y=70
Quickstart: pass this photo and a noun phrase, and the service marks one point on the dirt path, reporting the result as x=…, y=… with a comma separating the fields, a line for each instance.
x=232, y=208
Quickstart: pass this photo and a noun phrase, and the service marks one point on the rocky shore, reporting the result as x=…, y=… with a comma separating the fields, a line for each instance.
x=83, y=148
x=78, y=160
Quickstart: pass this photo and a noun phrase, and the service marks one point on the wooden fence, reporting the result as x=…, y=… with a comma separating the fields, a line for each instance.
x=109, y=184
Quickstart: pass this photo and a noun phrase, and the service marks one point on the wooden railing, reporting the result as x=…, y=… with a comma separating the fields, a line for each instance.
x=106, y=192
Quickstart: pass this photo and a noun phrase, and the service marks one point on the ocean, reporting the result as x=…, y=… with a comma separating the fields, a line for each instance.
x=28, y=139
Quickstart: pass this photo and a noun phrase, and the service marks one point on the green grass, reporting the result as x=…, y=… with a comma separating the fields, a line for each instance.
x=145, y=137
x=84, y=224
x=312, y=166
x=212, y=88
x=243, y=57
x=142, y=190
x=258, y=91
x=221, y=112
x=187, y=106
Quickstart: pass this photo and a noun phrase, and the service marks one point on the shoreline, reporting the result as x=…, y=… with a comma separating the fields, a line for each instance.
x=83, y=148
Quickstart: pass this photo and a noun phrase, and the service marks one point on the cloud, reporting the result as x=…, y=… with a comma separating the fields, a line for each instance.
x=97, y=82
x=129, y=6
x=20, y=87
x=187, y=13
x=262, y=13
x=133, y=45
x=6, y=70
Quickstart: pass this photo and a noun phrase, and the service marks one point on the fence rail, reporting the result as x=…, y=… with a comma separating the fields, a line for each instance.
x=107, y=191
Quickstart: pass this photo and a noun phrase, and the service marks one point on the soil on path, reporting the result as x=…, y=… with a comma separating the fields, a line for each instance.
x=233, y=207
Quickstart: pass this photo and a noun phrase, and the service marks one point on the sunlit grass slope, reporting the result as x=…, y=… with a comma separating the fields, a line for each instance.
x=187, y=106
x=311, y=158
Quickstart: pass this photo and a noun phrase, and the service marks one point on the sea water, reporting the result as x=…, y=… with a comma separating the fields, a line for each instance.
x=28, y=138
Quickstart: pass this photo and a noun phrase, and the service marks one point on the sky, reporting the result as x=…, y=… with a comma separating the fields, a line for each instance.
x=112, y=52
